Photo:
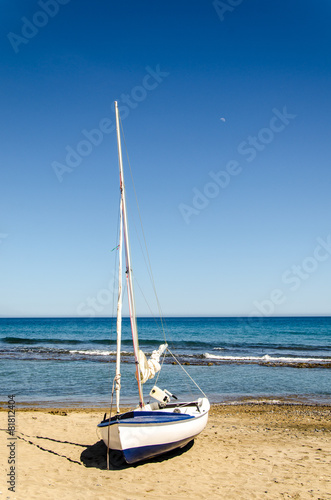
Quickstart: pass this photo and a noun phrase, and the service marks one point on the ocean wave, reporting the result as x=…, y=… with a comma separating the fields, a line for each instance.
x=44, y=352
x=267, y=358
x=275, y=347
x=95, y=352
x=98, y=352
x=20, y=340
x=103, y=341
x=152, y=343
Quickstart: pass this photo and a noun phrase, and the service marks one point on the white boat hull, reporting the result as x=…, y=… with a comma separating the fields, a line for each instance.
x=148, y=432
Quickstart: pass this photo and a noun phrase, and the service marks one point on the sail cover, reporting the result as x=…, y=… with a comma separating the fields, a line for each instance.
x=148, y=368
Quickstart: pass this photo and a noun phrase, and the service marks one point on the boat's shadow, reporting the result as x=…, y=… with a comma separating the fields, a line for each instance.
x=96, y=456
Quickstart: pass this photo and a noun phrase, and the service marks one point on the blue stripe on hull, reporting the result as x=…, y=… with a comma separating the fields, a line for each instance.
x=133, y=455
x=146, y=418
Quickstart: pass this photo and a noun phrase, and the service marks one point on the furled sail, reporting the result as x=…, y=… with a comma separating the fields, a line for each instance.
x=148, y=368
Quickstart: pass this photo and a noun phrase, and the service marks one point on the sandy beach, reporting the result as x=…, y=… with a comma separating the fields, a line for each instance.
x=247, y=451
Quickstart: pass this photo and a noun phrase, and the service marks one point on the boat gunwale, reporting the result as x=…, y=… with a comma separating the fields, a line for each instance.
x=132, y=418
x=137, y=418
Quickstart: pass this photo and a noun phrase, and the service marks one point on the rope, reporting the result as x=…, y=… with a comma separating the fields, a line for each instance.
x=114, y=282
x=150, y=310
x=149, y=266
x=150, y=272
x=157, y=378
x=186, y=372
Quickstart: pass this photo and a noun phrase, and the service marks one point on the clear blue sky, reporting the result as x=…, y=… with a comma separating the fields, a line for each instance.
x=227, y=122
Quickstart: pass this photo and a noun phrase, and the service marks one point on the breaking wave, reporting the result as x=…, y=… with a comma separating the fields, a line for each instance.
x=274, y=360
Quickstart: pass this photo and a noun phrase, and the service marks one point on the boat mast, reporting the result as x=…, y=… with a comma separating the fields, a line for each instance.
x=119, y=315
x=128, y=272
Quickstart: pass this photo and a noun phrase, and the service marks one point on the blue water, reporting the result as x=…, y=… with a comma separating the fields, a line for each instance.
x=71, y=361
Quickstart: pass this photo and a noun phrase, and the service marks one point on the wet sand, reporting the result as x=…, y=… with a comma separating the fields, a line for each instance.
x=248, y=451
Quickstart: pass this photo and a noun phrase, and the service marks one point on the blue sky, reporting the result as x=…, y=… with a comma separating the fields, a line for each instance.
x=236, y=211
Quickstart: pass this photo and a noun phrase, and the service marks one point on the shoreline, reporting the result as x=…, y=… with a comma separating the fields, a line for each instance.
x=99, y=407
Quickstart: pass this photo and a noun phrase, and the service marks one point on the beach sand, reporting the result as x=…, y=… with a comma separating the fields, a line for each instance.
x=249, y=451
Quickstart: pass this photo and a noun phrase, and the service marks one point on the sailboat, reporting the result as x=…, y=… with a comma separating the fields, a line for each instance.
x=166, y=423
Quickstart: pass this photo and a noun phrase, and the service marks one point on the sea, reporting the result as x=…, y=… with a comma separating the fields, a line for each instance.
x=52, y=362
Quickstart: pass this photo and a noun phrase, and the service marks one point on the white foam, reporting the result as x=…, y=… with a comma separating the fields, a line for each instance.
x=267, y=358
x=96, y=352
x=92, y=352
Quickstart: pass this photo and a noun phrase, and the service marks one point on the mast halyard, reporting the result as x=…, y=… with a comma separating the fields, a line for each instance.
x=128, y=272
x=119, y=314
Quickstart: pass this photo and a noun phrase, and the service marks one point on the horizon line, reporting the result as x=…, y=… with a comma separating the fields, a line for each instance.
x=174, y=316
